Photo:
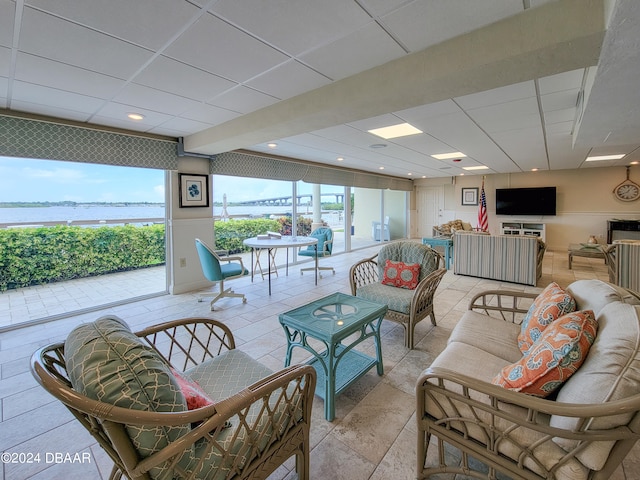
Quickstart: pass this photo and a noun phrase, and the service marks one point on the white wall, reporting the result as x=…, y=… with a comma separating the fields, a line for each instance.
x=183, y=227
x=585, y=200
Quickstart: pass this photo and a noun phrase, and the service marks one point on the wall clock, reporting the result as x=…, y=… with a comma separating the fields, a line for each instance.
x=627, y=191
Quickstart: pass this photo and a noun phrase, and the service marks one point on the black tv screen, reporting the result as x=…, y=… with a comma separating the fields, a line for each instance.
x=526, y=201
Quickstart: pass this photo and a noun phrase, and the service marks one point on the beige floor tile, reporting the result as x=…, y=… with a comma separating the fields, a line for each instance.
x=373, y=434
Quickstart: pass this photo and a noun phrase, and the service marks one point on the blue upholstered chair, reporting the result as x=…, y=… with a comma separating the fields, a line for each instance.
x=324, y=247
x=218, y=269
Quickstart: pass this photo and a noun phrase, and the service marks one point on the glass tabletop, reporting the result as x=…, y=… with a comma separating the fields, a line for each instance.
x=337, y=314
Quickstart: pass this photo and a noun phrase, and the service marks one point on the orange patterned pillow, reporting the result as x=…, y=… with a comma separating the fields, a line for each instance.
x=400, y=274
x=553, y=358
x=552, y=303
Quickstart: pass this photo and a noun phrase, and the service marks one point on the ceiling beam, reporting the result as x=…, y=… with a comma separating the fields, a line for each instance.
x=554, y=38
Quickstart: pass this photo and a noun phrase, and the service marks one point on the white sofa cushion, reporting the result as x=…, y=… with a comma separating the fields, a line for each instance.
x=492, y=335
x=593, y=295
x=613, y=364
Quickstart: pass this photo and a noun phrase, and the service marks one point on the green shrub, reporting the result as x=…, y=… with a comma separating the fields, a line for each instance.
x=32, y=256
x=230, y=234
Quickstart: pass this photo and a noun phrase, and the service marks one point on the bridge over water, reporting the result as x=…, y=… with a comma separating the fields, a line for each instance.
x=301, y=200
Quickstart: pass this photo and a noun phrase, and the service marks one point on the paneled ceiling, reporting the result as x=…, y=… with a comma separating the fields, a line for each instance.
x=513, y=84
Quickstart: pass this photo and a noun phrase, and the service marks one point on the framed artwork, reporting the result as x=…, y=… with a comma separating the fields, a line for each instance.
x=470, y=196
x=194, y=190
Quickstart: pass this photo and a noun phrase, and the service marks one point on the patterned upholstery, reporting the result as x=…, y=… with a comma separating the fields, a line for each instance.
x=107, y=362
x=509, y=258
x=407, y=307
x=258, y=420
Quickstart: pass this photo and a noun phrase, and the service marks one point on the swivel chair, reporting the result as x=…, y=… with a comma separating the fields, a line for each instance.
x=216, y=270
x=321, y=249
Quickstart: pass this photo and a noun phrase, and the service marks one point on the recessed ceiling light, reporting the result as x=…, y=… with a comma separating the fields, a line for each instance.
x=272, y=145
x=534, y=169
x=378, y=145
x=634, y=163
x=340, y=159
x=605, y=157
x=424, y=176
x=447, y=156
x=135, y=116
x=409, y=173
x=381, y=168
x=479, y=167
x=395, y=131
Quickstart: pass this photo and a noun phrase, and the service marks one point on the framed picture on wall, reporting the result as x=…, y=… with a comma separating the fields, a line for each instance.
x=194, y=190
x=470, y=196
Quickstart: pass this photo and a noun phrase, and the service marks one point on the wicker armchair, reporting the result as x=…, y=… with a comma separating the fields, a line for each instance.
x=406, y=307
x=247, y=434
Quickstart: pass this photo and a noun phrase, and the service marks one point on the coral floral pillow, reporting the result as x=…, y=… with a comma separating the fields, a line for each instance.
x=552, y=303
x=553, y=358
x=400, y=274
x=193, y=393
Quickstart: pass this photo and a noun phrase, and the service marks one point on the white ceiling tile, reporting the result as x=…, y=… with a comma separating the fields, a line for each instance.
x=524, y=146
x=425, y=113
x=182, y=125
x=507, y=116
x=294, y=27
x=66, y=77
x=506, y=94
x=559, y=128
x=51, y=97
x=118, y=112
x=177, y=78
x=5, y=61
x=149, y=23
x=52, y=111
x=79, y=46
x=288, y=80
x=217, y=47
x=561, y=81
x=7, y=13
x=122, y=123
x=243, y=99
x=379, y=8
x=559, y=100
x=363, y=49
x=560, y=115
x=152, y=99
x=209, y=114
x=422, y=24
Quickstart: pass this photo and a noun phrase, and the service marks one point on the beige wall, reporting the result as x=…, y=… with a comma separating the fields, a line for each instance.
x=585, y=200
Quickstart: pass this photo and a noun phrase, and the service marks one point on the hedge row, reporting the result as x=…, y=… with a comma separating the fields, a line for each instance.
x=33, y=256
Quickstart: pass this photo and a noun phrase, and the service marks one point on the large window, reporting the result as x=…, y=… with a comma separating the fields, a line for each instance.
x=74, y=235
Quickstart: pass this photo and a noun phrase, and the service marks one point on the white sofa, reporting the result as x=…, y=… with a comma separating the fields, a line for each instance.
x=583, y=433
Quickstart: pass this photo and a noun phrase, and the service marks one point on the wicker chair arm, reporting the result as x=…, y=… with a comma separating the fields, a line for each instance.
x=510, y=306
x=362, y=273
x=214, y=419
x=424, y=292
x=189, y=341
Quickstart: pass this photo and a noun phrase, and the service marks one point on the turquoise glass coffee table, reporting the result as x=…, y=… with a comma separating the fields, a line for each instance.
x=331, y=320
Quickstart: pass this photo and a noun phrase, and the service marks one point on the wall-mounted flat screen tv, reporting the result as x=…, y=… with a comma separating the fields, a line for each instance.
x=526, y=201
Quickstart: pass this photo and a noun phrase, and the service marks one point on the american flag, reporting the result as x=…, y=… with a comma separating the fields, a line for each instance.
x=483, y=220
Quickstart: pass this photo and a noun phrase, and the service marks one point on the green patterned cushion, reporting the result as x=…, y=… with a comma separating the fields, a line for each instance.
x=408, y=252
x=107, y=362
x=222, y=377
x=398, y=299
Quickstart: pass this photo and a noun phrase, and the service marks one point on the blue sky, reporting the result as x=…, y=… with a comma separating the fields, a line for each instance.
x=24, y=180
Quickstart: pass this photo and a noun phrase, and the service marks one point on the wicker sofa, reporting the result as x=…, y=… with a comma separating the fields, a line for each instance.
x=584, y=432
x=178, y=401
x=508, y=258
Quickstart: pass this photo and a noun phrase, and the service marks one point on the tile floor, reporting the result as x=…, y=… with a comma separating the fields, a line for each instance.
x=373, y=435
